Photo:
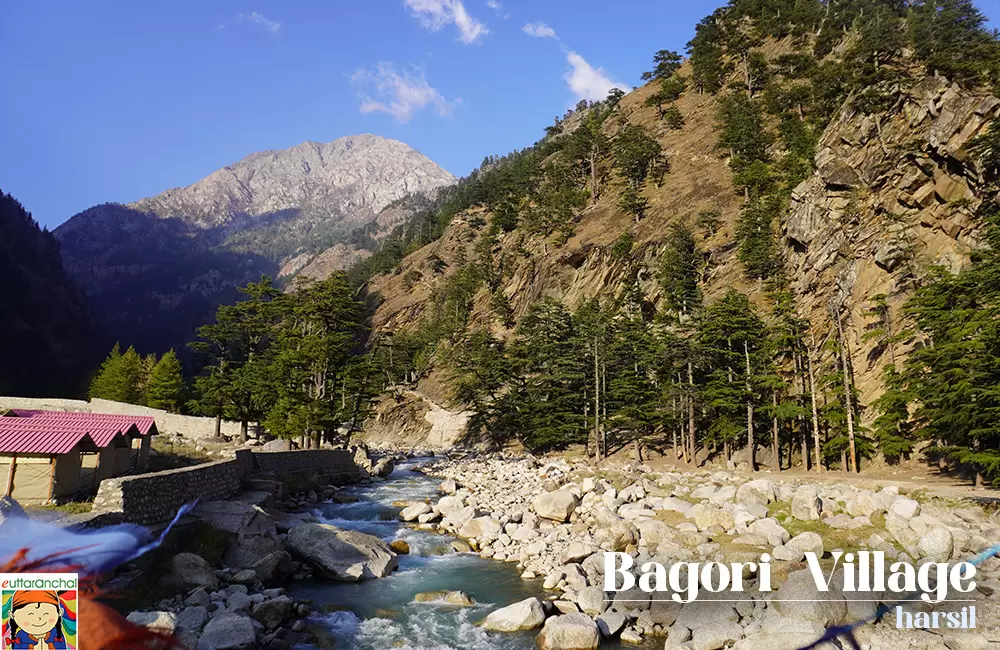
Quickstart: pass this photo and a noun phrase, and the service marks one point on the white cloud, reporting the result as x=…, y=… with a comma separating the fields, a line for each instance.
x=494, y=5
x=384, y=89
x=539, y=30
x=272, y=26
x=589, y=83
x=435, y=14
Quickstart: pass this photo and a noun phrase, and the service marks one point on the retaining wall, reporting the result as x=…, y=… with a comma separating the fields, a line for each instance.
x=191, y=426
x=155, y=497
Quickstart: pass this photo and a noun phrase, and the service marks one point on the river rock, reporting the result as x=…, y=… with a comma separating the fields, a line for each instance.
x=399, y=547
x=342, y=554
x=610, y=623
x=484, y=529
x=806, y=504
x=236, y=517
x=936, y=544
x=227, y=632
x=159, y=621
x=592, y=600
x=448, y=486
x=524, y=615
x=190, y=622
x=411, y=513
x=569, y=632
x=798, y=599
x=189, y=570
x=557, y=505
x=10, y=509
x=577, y=551
x=271, y=613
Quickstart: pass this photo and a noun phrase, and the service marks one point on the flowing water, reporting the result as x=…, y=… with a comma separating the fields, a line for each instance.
x=381, y=615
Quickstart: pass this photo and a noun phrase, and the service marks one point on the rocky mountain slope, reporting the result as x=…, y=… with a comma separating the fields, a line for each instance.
x=47, y=334
x=157, y=268
x=892, y=195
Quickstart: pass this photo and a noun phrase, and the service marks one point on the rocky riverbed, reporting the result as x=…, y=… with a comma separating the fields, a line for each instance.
x=555, y=519
x=471, y=551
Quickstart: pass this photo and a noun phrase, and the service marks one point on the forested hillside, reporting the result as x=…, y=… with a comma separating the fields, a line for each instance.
x=766, y=246
x=47, y=336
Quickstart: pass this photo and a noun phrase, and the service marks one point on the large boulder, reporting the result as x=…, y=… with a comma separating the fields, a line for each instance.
x=410, y=513
x=346, y=555
x=236, y=517
x=557, y=505
x=11, y=509
x=524, y=615
x=271, y=613
x=383, y=467
x=806, y=504
x=760, y=492
x=484, y=529
x=188, y=571
x=228, y=632
x=569, y=632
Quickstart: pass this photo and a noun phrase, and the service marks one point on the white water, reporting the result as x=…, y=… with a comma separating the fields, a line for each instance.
x=380, y=614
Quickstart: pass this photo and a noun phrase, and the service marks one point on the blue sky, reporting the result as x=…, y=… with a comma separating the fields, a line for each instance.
x=113, y=101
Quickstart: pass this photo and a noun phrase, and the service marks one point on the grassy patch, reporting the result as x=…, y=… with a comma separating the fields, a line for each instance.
x=69, y=508
x=174, y=455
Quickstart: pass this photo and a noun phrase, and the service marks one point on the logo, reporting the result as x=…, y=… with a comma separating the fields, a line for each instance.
x=38, y=610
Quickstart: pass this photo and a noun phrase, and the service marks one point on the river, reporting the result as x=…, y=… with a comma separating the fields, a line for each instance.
x=381, y=615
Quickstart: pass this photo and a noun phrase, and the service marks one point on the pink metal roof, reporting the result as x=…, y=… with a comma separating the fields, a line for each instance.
x=56, y=432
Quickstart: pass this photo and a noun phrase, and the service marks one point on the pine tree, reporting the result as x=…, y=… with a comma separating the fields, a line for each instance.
x=734, y=339
x=550, y=396
x=679, y=273
x=758, y=247
x=165, y=389
x=119, y=377
x=742, y=130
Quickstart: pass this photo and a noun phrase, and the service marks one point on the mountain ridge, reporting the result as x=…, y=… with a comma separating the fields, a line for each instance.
x=249, y=218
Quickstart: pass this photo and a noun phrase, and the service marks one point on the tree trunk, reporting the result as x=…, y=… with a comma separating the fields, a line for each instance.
x=597, y=407
x=776, y=449
x=818, y=458
x=243, y=430
x=691, y=431
x=218, y=425
x=751, y=448
x=848, y=397
x=637, y=450
x=593, y=177
x=843, y=461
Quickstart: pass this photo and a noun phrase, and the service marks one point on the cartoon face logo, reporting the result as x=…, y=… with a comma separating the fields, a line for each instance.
x=36, y=620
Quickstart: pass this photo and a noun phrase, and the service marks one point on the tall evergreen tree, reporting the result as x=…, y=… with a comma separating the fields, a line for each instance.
x=119, y=377
x=734, y=338
x=165, y=388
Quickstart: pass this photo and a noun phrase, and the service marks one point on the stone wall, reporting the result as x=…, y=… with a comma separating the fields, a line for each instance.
x=189, y=425
x=155, y=497
x=334, y=465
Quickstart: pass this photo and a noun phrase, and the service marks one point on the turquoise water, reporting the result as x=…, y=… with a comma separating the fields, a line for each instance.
x=380, y=614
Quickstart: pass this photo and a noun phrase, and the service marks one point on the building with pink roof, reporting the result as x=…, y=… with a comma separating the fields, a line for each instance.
x=49, y=455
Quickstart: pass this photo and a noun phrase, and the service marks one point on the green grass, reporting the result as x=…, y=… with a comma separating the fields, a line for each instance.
x=171, y=455
x=70, y=507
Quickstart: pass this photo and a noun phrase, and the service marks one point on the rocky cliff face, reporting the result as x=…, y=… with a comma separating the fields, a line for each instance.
x=47, y=335
x=157, y=268
x=892, y=195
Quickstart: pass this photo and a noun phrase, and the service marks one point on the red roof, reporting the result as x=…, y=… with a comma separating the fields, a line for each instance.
x=56, y=432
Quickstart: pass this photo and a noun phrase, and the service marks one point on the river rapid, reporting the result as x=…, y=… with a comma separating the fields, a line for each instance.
x=381, y=615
